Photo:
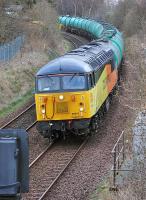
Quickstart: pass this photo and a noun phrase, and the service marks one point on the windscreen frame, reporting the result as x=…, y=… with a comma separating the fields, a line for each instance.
x=61, y=84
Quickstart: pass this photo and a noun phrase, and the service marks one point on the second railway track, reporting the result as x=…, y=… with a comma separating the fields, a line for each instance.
x=23, y=120
x=74, y=39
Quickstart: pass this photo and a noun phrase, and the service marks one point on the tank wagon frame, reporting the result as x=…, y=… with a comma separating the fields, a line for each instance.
x=81, y=82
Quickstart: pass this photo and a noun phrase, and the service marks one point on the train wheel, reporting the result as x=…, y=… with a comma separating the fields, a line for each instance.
x=95, y=122
x=115, y=90
x=18, y=197
x=107, y=104
x=82, y=133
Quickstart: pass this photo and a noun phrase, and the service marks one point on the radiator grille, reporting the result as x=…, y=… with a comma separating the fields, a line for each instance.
x=61, y=107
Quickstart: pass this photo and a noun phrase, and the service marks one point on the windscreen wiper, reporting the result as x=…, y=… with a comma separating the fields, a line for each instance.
x=73, y=76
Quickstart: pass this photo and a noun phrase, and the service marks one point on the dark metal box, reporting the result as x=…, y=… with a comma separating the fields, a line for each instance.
x=9, y=155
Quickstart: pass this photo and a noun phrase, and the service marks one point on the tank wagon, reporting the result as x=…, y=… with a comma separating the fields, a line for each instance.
x=74, y=90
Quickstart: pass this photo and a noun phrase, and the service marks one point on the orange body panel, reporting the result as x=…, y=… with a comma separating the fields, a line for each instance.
x=112, y=77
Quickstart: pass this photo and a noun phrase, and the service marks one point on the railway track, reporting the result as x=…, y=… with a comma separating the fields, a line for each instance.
x=74, y=39
x=46, y=170
x=22, y=120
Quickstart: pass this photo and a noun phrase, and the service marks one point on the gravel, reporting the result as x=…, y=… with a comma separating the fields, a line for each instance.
x=49, y=166
x=15, y=113
x=37, y=144
x=25, y=120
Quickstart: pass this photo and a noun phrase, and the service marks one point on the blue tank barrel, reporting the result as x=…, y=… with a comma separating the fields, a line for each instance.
x=100, y=30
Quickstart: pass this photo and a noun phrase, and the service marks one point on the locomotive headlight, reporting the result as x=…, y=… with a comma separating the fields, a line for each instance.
x=81, y=109
x=61, y=97
x=43, y=111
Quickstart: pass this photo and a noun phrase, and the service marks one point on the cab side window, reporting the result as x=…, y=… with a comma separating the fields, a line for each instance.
x=91, y=80
x=112, y=66
x=94, y=80
x=96, y=76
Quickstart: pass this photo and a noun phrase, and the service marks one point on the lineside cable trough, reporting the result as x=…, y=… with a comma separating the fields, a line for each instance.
x=14, y=163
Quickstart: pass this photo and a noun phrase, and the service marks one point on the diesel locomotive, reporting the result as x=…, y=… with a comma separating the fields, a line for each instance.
x=74, y=90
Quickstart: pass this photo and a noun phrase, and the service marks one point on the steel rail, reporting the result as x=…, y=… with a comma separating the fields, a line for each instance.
x=63, y=170
x=70, y=36
x=29, y=127
x=69, y=39
x=19, y=115
x=40, y=155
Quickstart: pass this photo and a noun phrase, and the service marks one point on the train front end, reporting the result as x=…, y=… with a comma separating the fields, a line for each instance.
x=62, y=101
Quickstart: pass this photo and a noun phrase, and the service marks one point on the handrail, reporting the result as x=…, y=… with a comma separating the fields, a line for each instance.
x=117, y=151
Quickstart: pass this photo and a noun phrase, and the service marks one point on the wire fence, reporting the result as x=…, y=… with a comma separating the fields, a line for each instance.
x=9, y=50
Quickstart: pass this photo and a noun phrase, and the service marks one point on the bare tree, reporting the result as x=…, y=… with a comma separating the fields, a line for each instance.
x=85, y=8
x=91, y=7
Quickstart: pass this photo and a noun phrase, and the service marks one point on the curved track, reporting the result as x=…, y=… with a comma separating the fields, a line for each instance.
x=74, y=39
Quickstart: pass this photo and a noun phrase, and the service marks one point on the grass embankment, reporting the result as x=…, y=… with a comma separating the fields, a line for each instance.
x=16, y=104
x=43, y=43
x=17, y=80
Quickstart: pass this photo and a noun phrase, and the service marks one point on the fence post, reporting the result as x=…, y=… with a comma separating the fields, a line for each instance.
x=123, y=146
x=114, y=173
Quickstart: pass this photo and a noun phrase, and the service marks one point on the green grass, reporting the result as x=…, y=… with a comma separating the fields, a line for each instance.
x=15, y=105
x=67, y=46
x=101, y=191
x=54, y=54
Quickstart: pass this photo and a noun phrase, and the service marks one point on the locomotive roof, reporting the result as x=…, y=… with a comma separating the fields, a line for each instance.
x=64, y=65
x=82, y=60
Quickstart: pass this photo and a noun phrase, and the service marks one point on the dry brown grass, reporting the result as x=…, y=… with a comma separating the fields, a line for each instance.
x=136, y=54
x=43, y=42
x=17, y=76
x=41, y=28
x=126, y=193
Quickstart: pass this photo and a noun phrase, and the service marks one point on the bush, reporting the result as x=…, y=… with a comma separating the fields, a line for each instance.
x=132, y=23
x=128, y=16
